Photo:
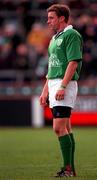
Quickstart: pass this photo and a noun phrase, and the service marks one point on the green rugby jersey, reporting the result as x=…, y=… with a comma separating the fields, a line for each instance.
x=63, y=48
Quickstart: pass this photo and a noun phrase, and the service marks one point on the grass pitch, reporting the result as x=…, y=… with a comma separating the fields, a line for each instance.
x=34, y=154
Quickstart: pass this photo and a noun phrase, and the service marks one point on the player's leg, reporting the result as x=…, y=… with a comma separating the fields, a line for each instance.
x=73, y=145
x=60, y=128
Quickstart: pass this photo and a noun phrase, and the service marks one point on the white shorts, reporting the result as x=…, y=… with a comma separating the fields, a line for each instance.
x=70, y=93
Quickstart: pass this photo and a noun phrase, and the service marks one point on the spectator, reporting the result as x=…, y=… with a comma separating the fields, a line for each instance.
x=24, y=36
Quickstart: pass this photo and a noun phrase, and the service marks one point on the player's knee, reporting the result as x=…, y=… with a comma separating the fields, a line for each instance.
x=56, y=130
x=59, y=130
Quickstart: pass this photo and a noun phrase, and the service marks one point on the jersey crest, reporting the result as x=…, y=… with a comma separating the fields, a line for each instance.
x=59, y=42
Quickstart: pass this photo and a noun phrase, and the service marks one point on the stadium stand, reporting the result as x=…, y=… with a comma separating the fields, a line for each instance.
x=24, y=39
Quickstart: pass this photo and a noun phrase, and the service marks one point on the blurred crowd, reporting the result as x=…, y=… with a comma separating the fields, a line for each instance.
x=24, y=35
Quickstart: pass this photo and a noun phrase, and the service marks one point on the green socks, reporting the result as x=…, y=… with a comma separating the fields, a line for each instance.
x=67, y=144
x=73, y=150
x=66, y=148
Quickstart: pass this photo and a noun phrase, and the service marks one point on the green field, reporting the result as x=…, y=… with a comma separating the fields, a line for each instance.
x=34, y=154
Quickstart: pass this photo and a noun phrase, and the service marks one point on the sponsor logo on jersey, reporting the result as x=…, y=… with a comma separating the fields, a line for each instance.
x=54, y=61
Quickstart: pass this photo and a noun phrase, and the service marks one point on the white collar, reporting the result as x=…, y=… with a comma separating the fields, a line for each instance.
x=65, y=29
x=68, y=27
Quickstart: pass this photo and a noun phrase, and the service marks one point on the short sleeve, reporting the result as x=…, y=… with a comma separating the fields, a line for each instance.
x=73, y=47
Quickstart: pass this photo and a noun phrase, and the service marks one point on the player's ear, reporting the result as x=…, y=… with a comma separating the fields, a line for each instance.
x=62, y=18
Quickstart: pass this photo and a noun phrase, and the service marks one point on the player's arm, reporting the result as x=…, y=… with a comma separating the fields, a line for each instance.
x=44, y=95
x=70, y=71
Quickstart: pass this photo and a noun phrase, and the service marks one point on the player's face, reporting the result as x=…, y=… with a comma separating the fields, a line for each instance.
x=53, y=21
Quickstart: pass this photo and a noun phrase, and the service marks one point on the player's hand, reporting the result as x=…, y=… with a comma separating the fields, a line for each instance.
x=60, y=94
x=43, y=99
